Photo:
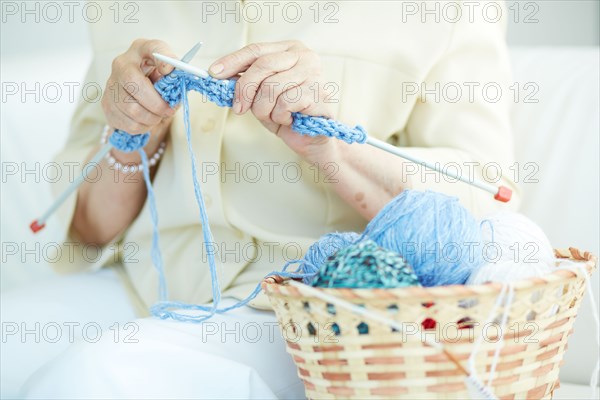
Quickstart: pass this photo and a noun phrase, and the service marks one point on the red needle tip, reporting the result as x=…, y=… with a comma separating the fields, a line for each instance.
x=504, y=194
x=35, y=227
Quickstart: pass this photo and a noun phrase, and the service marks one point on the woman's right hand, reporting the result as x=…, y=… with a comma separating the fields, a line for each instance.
x=130, y=102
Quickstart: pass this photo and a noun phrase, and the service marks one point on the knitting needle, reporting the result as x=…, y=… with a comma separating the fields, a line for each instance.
x=501, y=193
x=192, y=52
x=40, y=223
x=182, y=65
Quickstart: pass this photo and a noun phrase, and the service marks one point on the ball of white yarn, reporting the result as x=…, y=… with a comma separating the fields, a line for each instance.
x=514, y=248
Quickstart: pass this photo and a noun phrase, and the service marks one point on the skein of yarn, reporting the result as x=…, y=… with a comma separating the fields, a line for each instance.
x=514, y=248
x=365, y=265
x=433, y=232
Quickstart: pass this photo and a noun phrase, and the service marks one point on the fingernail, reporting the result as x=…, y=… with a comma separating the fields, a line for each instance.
x=217, y=68
x=237, y=107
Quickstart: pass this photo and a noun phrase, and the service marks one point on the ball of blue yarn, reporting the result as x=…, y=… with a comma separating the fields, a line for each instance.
x=319, y=251
x=433, y=232
x=365, y=265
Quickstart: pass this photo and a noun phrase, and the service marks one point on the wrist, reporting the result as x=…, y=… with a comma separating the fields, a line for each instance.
x=329, y=150
x=132, y=161
x=158, y=135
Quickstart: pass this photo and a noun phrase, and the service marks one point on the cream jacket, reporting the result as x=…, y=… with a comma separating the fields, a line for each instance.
x=390, y=72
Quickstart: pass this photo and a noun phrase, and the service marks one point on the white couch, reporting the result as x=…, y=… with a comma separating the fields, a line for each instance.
x=557, y=140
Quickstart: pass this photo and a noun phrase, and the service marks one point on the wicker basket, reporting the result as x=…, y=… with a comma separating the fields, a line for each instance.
x=366, y=359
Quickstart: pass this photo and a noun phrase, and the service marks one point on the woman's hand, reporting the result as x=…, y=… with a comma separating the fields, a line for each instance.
x=279, y=79
x=107, y=206
x=130, y=101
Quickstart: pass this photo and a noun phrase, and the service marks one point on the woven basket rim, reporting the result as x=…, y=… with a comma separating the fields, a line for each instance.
x=279, y=285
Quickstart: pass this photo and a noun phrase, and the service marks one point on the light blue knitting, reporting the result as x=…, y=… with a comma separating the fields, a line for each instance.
x=173, y=88
x=221, y=93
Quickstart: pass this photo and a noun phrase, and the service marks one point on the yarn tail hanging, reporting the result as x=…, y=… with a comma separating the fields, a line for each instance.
x=175, y=91
x=306, y=270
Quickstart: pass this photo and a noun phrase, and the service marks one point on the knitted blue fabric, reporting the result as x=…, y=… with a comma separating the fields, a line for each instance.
x=221, y=93
x=127, y=143
x=319, y=126
x=174, y=86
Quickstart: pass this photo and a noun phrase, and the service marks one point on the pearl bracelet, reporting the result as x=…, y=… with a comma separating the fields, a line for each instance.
x=129, y=168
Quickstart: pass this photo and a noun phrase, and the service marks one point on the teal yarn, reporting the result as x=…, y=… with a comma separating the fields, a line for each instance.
x=322, y=249
x=433, y=232
x=365, y=265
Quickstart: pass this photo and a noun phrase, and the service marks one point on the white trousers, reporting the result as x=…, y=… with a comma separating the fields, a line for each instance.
x=77, y=337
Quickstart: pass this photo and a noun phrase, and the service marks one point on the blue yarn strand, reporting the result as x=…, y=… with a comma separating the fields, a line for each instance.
x=162, y=309
x=128, y=143
x=173, y=88
x=156, y=255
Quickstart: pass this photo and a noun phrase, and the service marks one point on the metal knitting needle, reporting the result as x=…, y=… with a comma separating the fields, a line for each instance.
x=192, y=52
x=40, y=223
x=501, y=193
x=182, y=65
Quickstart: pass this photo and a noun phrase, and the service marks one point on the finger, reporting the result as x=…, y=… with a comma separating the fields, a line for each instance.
x=142, y=90
x=136, y=111
x=119, y=120
x=154, y=75
x=238, y=61
x=302, y=99
x=147, y=48
x=272, y=88
x=298, y=99
x=264, y=67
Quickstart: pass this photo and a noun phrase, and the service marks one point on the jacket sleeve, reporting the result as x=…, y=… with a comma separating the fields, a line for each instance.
x=461, y=117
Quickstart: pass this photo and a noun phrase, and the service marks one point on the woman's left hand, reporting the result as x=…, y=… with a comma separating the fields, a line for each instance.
x=278, y=79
